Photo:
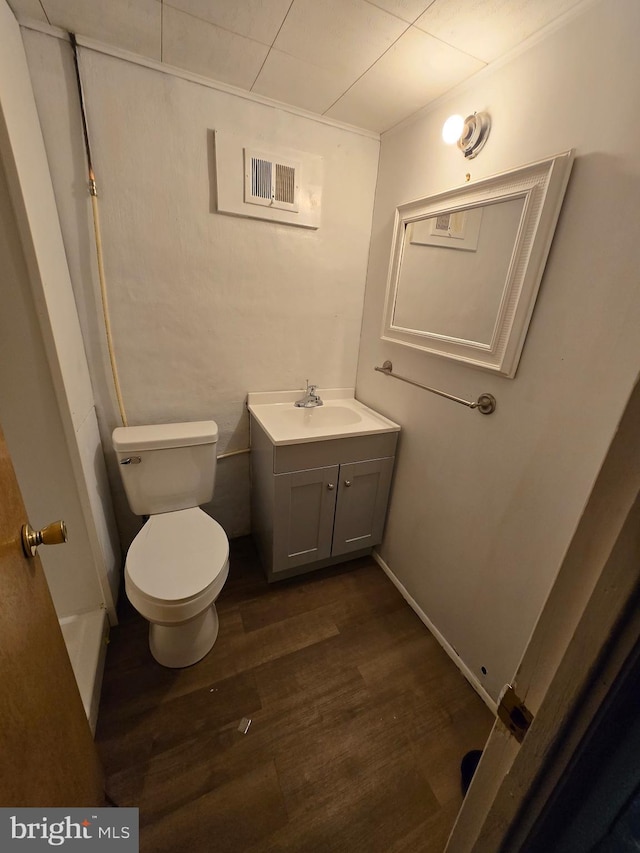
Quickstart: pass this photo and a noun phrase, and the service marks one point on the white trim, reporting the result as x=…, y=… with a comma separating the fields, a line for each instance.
x=190, y=76
x=455, y=657
x=541, y=186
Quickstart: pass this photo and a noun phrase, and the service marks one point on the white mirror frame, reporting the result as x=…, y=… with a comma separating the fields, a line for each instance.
x=542, y=185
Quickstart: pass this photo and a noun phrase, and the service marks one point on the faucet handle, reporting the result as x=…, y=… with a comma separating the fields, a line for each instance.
x=311, y=389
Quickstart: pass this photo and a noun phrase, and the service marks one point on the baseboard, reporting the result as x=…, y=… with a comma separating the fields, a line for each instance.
x=455, y=657
x=86, y=637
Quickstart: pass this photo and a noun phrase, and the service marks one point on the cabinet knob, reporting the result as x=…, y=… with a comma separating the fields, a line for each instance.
x=347, y=482
x=330, y=486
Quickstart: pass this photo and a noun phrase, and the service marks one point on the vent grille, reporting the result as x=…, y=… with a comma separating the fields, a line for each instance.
x=270, y=182
x=260, y=178
x=285, y=183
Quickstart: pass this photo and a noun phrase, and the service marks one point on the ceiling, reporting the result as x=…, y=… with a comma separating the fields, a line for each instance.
x=369, y=63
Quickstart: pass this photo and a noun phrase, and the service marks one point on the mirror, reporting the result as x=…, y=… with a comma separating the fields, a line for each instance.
x=466, y=265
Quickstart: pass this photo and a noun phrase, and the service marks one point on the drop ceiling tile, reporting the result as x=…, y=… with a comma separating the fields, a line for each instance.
x=408, y=10
x=417, y=69
x=133, y=25
x=293, y=81
x=255, y=19
x=28, y=9
x=195, y=45
x=343, y=35
x=489, y=28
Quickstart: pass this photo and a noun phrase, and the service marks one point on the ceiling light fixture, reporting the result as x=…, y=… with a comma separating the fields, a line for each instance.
x=469, y=133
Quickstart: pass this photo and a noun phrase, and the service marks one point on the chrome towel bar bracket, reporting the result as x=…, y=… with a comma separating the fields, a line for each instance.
x=485, y=404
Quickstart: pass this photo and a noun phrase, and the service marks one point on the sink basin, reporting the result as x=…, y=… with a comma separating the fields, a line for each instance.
x=340, y=416
x=321, y=417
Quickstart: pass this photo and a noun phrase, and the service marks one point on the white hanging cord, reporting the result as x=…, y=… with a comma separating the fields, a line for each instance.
x=98, y=240
x=103, y=295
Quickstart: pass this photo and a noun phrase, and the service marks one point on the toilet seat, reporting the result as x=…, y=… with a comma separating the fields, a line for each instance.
x=176, y=566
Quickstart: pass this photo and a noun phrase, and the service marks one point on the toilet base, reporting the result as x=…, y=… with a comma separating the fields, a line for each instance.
x=182, y=645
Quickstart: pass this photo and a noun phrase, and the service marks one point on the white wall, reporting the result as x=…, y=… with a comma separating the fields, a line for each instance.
x=46, y=402
x=205, y=307
x=483, y=508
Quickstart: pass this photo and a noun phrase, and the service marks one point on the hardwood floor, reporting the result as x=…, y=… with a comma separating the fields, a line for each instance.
x=359, y=721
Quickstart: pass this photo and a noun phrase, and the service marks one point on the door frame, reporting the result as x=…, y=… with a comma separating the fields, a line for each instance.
x=585, y=632
x=24, y=158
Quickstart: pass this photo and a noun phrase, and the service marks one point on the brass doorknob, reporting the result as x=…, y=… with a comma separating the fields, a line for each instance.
x=53, y=534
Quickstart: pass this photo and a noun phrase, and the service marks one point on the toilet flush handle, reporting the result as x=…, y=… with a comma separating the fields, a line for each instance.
x=131, y=460
x=53, y=534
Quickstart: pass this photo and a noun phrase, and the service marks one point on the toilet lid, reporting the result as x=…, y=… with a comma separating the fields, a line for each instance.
x=177, y=555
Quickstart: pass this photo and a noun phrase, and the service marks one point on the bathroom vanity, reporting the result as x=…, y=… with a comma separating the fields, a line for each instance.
x=320, y=479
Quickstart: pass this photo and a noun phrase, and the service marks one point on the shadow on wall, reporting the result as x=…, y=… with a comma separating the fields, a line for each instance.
x=213, y=179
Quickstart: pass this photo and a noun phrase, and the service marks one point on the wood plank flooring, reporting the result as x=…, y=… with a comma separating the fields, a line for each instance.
x=359, y=721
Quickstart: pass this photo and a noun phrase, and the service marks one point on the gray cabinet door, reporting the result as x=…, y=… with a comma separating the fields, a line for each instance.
x=304, y=508
x=362, y=503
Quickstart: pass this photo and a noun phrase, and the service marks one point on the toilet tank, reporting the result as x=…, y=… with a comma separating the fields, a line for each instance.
x=167, y=467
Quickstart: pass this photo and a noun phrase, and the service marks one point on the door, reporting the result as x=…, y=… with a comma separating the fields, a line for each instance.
x=48, y=755
x=304, y=507
x=585, y=632
x=362, y=505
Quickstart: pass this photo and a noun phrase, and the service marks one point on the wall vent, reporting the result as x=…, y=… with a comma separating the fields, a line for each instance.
x=261, y=179
x=270, y=182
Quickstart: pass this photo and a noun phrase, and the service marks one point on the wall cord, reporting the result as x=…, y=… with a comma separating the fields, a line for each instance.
x=98, y=238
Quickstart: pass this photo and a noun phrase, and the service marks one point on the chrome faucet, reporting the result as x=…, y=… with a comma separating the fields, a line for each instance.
x=310, y=399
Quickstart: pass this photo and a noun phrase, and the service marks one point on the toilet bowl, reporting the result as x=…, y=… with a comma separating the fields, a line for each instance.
x=175, y=569
x=177, y=564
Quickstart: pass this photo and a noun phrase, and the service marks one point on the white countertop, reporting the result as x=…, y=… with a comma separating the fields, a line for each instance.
x=340, y=416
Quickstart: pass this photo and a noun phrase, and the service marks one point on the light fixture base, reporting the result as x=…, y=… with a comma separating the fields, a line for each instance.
x=474, y=134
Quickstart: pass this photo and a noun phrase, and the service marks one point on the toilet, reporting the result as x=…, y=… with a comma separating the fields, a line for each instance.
x=178, y=563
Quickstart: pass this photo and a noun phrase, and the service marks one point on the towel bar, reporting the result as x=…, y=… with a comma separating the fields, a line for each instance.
x=485, y=404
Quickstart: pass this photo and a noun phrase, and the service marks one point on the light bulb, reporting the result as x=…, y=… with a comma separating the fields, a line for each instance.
x=452, y=128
